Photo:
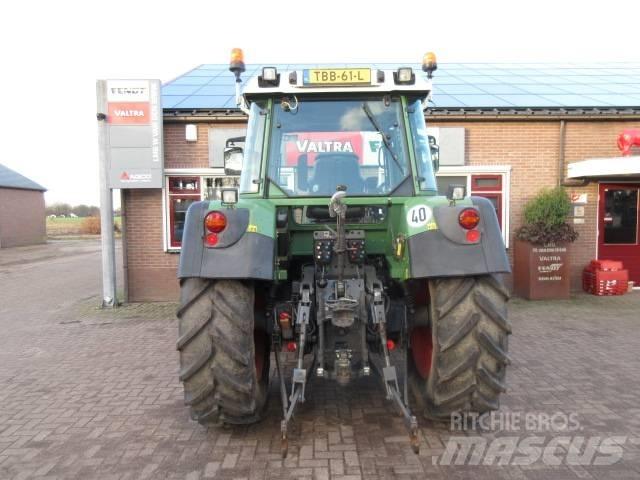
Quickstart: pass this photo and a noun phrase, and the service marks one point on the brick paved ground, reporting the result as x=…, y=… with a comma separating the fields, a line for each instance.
x=92, y=394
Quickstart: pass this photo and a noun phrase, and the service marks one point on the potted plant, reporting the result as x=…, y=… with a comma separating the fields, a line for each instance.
x=541, y=259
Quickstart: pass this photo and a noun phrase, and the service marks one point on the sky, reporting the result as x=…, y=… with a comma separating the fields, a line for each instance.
x=53, y=52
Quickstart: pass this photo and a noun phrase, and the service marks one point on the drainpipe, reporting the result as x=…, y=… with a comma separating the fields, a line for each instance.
x=561, y=180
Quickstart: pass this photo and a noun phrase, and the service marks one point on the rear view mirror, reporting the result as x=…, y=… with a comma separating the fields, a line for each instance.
x=233, y=156
x=435, y=153
x=456, y=192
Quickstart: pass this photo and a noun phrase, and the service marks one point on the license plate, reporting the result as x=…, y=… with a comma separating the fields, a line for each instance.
x=337, y=76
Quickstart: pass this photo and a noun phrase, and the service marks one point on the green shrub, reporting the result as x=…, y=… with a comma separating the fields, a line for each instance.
x=546, y=218
x=550, y=206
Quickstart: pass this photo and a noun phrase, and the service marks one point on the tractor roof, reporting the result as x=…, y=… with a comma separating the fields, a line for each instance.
x=299, y=82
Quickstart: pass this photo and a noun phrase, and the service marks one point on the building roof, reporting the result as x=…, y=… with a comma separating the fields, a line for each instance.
x=12, y=179
x=457, y=86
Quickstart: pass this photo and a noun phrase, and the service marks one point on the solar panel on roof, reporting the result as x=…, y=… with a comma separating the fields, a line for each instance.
x=500, y=88
x=230, y=103
x=217, y=90
x=456, y=85
x=461, y=88
x=550, y=80
x=623, y=88
x=180, y=89
x=441, y=100
x=538, y=88
x=452, y=80
x=171, y=101
x=191, y=80
x=527, y=100
x=615, y=100
x=197, y=101
x=584, y=89
x=569, y=100
x=483, y=101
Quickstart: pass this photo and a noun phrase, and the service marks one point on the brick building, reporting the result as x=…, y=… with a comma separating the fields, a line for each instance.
x=22, y=214
x=506, y=131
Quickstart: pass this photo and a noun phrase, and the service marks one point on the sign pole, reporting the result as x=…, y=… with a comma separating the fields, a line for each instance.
x=109, y=299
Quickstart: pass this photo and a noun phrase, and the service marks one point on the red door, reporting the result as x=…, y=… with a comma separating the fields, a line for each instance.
x=618, y=226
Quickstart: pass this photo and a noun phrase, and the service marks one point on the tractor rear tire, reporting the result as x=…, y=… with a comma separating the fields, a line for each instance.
x=458, y=363
x=224, y=354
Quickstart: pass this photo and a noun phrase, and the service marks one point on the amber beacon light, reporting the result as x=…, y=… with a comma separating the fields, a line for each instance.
x=236, y=63
x=429, y=63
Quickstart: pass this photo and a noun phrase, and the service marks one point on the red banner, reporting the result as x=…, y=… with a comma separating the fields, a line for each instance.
x=129, y=113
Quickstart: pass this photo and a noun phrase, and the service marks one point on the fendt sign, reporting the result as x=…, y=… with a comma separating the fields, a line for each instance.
x=134, y=122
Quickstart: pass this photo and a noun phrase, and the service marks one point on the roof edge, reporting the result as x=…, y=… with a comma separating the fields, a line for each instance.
x=12, y=187
x=489, y=112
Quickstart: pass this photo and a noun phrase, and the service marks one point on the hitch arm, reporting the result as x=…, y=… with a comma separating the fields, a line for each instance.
x=389, y=373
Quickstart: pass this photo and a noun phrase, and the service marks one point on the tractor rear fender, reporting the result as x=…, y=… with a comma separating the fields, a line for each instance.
x=444, y=251
x=245, y=248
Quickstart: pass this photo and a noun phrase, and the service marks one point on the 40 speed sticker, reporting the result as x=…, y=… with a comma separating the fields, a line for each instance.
x=419, y=215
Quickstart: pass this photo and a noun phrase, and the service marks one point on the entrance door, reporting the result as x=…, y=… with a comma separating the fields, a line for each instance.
x=618, y=226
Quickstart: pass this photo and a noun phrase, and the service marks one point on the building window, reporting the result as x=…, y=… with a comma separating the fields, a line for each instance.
x=183, y=190
x=489, y=187
x=490, y=182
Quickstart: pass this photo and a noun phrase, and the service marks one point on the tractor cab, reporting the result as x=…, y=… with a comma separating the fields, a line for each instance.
x=311, y=131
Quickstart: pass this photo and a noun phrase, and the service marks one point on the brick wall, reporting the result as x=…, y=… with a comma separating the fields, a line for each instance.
x=151, y=273
x=22, y=217
x=530, y=147
x=178, y=153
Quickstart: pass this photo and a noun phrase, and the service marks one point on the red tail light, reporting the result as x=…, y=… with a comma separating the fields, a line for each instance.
x=473, y=236
x=215, y=222
x=211, y=239
x=469, y=218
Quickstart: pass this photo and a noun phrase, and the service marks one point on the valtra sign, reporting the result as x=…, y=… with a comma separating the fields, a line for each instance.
x=128, y=113
x=134, y=121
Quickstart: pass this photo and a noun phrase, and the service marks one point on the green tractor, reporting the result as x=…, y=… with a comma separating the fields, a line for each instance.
x=338, y=249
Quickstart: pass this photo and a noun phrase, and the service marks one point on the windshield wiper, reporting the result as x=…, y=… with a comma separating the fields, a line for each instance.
x=385, y=139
